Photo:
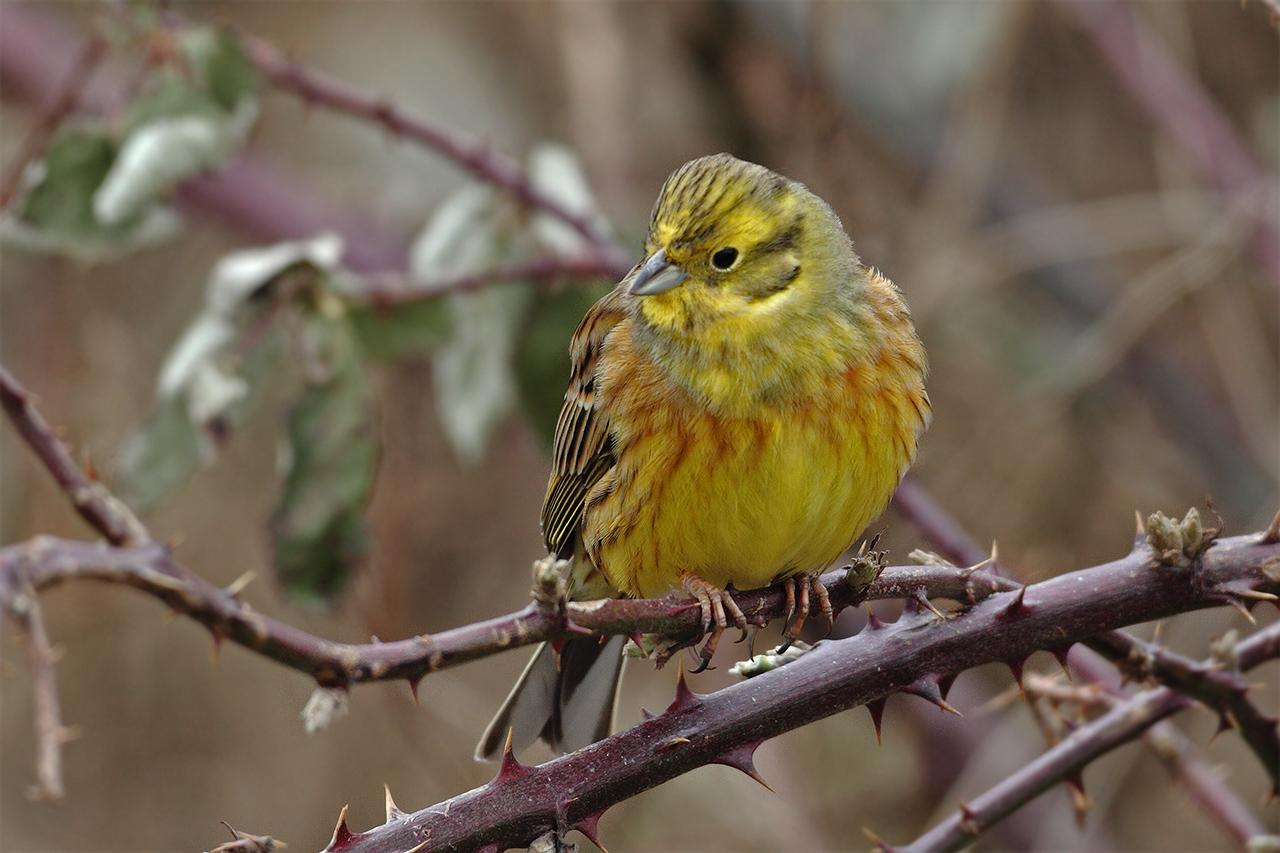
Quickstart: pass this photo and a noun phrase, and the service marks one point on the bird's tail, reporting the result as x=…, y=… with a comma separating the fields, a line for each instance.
x=567, y=708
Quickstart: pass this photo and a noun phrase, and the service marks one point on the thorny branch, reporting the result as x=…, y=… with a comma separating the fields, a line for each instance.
x=955, y=544
x=944, y=516
x=1211, y=682
x=1125, y=721
x=1174, y=749
x=919, y=654
x=131, y=557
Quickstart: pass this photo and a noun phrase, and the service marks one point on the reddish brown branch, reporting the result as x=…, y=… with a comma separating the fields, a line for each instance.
x=1203, y=783
x=1220, y=689
x=954, y=543
x=51, y=114
x=46, y=561
x=103, y=512
x=391, y=288
x=1123, y=723
x=482, y=161
x=911, y=654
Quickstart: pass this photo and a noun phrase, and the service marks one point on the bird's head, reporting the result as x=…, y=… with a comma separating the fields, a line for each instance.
x=736, y=250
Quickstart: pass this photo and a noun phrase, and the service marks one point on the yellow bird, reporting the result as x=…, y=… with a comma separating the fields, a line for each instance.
x=740, y=407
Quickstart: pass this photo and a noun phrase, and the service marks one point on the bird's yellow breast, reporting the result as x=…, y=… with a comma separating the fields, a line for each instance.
x=744, y=499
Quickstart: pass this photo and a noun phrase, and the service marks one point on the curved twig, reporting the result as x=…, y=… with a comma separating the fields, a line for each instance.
x=474, y=156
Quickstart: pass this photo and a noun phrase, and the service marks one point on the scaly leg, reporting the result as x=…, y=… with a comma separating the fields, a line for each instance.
x=715, y=603
x=797, y=591
x=824, y=601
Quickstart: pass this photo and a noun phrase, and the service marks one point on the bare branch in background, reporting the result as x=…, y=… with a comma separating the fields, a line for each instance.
x=389, y=289
x=51, y=734
x=946, y=534
x=1124, y=722
x=475, y=157
x=1182, y=107
x=1218, y=687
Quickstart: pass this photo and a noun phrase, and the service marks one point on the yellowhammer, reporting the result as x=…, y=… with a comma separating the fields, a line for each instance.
x=740, y=407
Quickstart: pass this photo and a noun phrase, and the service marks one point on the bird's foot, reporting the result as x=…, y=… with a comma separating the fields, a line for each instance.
x=797, y=589
x=718, y=609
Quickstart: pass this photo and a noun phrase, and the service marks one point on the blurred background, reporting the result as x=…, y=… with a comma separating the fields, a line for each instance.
x=1089, y=250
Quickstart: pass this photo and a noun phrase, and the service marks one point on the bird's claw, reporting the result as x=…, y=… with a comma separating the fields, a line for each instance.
x=797, y=589
x=718, y=609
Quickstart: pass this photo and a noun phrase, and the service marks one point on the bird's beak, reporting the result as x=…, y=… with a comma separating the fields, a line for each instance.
x=656, y=275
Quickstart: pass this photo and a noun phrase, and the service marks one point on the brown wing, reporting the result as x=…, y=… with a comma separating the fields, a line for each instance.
x=583, y=449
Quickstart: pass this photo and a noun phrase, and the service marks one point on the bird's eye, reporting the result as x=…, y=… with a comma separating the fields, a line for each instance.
x=724, y=259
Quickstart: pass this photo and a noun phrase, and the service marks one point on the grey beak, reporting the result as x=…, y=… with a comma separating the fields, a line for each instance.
x=656, y=275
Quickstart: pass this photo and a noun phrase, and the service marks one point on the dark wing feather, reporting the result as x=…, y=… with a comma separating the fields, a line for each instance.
x=583, y=450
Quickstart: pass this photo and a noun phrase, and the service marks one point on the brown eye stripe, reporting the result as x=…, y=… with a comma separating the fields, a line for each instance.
x=779, y=287
x=785, y=241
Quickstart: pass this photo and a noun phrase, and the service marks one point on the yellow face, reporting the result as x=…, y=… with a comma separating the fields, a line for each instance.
x=736, y=243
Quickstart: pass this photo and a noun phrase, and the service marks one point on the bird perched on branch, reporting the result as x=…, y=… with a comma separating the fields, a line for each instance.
x=740, y=407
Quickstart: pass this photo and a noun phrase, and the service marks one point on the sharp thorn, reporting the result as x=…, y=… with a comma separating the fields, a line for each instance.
x=945, y=682
x=1080, y=802
x=646, y=715
x=1235, y=602
x=927, y=688
x=511, y=768
x=976, y=567
x=876, y=707
x=393, y=811
x=217, y=645
x=1226, y=722
x=1015, y=667
x=1272, y=534
x=968, y=819
x=1061, y=653
x=590, y=827
x=741, y=757
x=341, y=834
x=1017, y=606
x=237, y=586
x=414, y=681
x=873, y=621
x=684, y=698
x=928, y=605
